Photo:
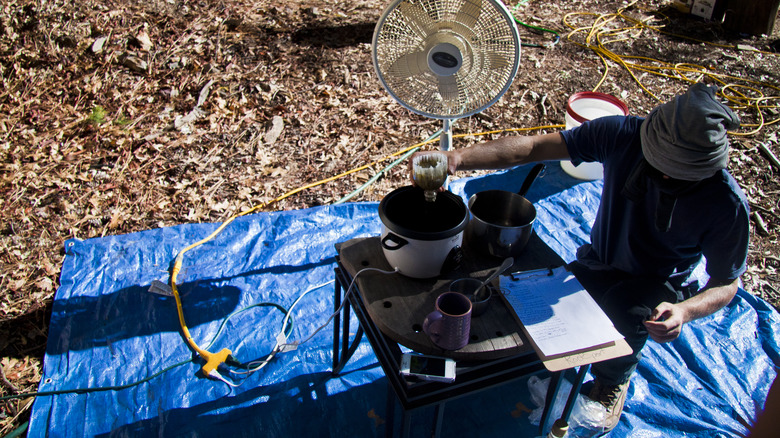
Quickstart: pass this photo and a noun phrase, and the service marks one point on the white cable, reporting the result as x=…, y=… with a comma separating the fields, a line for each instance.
x=289, y=312
x=282, y=346
x=214, y=374
x=281, y=338
x=344, y=300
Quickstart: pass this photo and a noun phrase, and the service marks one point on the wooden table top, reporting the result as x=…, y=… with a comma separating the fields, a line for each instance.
x=398, y=305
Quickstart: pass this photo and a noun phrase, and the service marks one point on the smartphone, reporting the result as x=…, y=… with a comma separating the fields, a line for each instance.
x=424, y=367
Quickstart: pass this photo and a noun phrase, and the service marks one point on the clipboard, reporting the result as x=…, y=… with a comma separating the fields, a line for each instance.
x=562, y=321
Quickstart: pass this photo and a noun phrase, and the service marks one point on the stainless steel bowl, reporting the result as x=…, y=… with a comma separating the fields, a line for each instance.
x=479, y=300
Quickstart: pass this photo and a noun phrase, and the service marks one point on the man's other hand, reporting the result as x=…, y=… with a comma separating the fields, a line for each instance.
x=665, y=323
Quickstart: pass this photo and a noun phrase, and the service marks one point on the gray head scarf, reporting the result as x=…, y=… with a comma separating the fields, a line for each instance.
x=686, y=137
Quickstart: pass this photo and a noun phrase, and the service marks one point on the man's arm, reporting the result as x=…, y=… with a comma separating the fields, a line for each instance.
x=511, y=151
x=505, y=152
x=666, y=321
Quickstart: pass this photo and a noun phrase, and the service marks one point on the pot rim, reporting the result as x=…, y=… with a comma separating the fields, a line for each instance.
x=473, y=198
x=409, y=233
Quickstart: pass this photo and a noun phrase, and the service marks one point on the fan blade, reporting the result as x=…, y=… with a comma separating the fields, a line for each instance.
x=408, y=65
x=469, y=13
x=418, y=19
x=498, y=62
x=448, y=88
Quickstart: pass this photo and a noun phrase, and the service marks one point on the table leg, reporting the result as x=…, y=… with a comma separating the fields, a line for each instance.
x=575, y=390
x=549, y=401
x=406, y=423
x=406, y=416
x=552, y=392
x=345, y=333
x=342, y=350
x=390, y=411
x=438, y=419
x=336, y=324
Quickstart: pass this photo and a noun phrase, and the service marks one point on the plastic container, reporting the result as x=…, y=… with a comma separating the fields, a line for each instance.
x=584, y=106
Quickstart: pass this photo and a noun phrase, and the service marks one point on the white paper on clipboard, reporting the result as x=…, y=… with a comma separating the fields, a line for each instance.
x=557, y=312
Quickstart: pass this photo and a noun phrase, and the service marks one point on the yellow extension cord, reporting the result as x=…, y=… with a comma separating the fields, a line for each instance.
x=595, y=37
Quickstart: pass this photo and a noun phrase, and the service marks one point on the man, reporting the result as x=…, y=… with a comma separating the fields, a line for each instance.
x=667, y=201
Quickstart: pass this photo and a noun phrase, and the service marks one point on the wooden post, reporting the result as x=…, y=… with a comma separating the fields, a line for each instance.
x=754, y=17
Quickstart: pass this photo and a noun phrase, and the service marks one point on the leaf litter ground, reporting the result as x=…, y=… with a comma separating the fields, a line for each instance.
x=122, y=117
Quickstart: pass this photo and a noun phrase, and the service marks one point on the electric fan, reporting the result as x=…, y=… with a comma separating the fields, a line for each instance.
x=446, y=59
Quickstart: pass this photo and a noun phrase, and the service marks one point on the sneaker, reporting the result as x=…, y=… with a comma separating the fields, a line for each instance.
x=612, y=397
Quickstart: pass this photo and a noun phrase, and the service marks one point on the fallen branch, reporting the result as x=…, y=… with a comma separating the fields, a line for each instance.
x=7, y=383
x=762, y=229
x=769, y=257
x=769, y=155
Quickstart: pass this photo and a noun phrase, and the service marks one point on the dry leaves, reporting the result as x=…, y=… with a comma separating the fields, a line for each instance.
x=125, y=116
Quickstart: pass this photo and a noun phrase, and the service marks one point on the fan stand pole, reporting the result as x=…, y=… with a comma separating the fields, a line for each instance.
x=445, y=139
x=445, y=142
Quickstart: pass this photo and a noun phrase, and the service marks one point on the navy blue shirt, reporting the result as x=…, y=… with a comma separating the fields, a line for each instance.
x=712, y=220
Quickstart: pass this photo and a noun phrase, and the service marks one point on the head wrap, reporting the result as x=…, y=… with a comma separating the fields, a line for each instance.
x=686, y=137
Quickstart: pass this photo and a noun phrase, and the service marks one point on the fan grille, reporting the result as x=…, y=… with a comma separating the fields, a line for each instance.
x=485, y=36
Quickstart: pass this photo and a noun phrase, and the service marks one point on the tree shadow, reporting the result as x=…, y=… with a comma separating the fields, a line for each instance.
x=307, y=405
x=26, y=335
x=294, y=407
x=335, y=37
x=86, y=322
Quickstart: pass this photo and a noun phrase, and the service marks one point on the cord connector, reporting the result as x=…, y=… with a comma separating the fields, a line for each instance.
x=213, y=360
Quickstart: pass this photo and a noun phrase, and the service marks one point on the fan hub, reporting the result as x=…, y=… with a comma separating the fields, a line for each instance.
x=444, y=59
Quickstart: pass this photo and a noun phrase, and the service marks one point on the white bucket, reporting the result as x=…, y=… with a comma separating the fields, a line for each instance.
x=584, y=106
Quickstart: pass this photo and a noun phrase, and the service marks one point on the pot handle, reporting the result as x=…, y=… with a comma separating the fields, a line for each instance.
x=398, y=241
x=535, y=171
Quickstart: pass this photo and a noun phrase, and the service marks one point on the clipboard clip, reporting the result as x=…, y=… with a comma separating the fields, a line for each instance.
x=541, y=272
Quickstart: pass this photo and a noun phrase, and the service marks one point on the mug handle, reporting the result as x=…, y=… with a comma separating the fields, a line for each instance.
x=431, y=325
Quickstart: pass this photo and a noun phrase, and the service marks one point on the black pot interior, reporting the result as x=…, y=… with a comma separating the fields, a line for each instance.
x=406, y=212
x=503, y=209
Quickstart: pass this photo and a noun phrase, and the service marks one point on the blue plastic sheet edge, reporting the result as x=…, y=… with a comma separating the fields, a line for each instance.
x=107, y=329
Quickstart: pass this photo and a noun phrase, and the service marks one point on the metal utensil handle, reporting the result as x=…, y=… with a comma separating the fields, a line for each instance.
x=504, y=266
x=535, y=171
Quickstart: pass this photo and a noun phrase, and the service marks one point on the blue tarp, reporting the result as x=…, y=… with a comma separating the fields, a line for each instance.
x=108, y=329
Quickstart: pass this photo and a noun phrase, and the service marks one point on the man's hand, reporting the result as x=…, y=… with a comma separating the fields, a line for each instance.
x=665, y=323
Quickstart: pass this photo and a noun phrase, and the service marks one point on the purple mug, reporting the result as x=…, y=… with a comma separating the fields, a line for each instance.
x=449, y=325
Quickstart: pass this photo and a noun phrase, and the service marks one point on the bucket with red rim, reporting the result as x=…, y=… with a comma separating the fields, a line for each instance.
x=582, y=107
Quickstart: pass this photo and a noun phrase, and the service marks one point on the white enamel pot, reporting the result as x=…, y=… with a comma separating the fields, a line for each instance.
x=422, y=239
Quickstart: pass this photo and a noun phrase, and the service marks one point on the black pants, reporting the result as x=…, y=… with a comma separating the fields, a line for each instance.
x=628, y=300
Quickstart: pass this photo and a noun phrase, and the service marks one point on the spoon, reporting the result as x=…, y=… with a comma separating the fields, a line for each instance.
x=509, y=261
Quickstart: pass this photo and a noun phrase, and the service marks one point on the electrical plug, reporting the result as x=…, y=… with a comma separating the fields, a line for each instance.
x=232, y=361
x=214, y=374
x=283, y=346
